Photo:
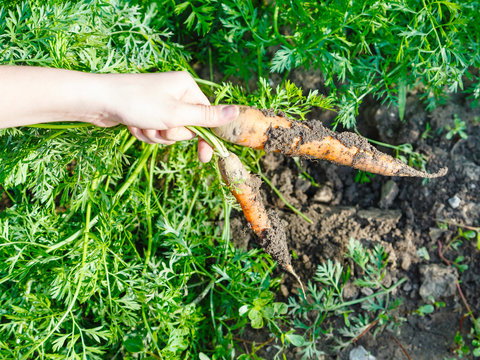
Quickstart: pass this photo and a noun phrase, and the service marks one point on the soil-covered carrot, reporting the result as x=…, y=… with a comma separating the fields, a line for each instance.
x=310, y=139
x=266, y=225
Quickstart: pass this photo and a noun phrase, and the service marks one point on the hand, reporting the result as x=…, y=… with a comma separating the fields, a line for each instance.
x=156, y=107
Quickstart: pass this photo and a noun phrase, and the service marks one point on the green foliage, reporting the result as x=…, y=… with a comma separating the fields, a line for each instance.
x=110, y=247
x=383, y=48
x=463, y=235
x=462, y=342
x=327, y=301
x=90, y=36
x=458, y=129
x=287, y=98
x=423, y=253
x=425, y=309
x=363, y=177
x=429, y=308
x=150, y=273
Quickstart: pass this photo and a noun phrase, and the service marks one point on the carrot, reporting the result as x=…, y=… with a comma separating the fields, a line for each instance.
x=259, y=130
x=266, y=225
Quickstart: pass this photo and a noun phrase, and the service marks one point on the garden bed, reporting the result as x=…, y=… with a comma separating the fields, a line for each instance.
x=403, y=215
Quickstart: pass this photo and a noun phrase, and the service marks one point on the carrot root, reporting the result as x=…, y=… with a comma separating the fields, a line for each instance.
x=254, y=129
x=266, y=225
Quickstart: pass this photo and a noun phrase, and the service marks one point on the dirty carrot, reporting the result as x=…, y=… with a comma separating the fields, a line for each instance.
x=310, y=139
x=246, y=189
x=266, y=225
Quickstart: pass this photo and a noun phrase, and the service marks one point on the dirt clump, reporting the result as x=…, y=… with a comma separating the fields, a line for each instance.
x=274, y=241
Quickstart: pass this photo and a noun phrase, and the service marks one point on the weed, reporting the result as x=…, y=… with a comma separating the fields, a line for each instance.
x=425, y=309
x=459, y=128
x=427, y=132
x=423, y=253
x=429, y=308
x=363, y=177
x=326, y=299
x=465, y=233
x=462, y=342
x=304, y=175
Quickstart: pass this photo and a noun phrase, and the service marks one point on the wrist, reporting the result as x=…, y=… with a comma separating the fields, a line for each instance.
x=96, y=101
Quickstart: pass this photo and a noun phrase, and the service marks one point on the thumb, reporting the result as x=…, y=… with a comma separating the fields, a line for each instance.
x=205, y=115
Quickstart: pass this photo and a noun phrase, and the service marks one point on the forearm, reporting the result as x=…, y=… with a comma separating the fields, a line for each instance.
x=30, y=95
x=156, y=107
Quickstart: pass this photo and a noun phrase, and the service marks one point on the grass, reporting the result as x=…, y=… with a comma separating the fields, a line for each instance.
x=111, y=248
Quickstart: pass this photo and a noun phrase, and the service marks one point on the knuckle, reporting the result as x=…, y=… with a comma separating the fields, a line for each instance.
x=209, y=114
x=170, y=135
x=175, y=110
x=178, y=134
x=185, y=76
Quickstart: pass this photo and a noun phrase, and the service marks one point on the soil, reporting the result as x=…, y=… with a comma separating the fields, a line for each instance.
x=4, y=200
x=400, y=214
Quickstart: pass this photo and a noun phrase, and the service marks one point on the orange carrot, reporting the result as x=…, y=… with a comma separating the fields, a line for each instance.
x=266, y=225
x=260, y=130
x=245, y=188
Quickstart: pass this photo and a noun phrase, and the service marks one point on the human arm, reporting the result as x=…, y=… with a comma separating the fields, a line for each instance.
x=155, y=107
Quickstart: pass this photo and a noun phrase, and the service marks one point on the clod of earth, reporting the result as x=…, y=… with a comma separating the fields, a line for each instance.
x=310, y=139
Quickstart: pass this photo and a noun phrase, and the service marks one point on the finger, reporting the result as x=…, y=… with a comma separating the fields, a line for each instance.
x=139, y=134
x=156, y=137
x=177, y=134
x=205, y=152
x=204, y=115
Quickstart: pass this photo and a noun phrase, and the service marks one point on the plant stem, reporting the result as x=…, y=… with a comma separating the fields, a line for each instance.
x=458, y=224
x=206, y=82
x=60, y=126
x=141, y=162
x=277, y=32
x=204, y=293
x=72, y=237
x=357, y=301
x=462, y=296
x=145, y=321
x=211, y=139
x=148, y=207
x=10, y=196
x=287, y=204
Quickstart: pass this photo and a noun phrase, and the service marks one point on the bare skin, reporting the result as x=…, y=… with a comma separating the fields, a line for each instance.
x=155, y=107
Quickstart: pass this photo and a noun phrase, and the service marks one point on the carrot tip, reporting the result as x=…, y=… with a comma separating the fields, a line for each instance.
x=439, y=173
x=409, y=171
x=289, y=269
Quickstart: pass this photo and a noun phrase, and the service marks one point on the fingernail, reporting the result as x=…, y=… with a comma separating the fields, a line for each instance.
x=229, y=112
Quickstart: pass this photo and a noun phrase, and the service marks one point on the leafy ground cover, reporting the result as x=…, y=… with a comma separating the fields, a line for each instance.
x=110, y=248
